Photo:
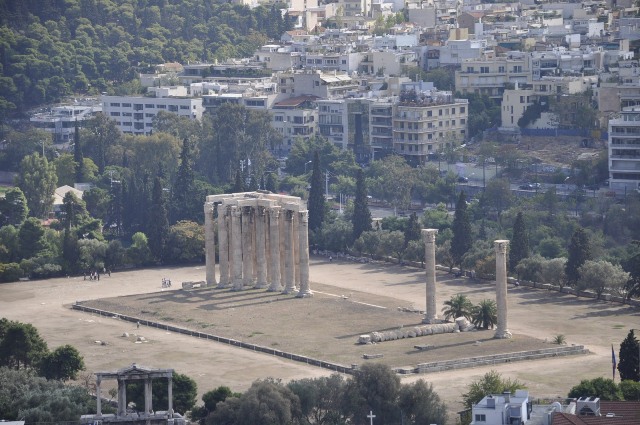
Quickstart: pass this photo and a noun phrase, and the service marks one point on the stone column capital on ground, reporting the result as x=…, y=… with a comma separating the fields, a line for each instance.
x=501, y=246
x=303, y=253
x=429, y=239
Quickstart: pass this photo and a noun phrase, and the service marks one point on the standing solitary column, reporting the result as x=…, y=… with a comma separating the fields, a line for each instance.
x=98, y=397
x=429, y=239
x=501, y=288
x=170, y=396
x=223, y=246
x=289, y=261
x=148, y=397
x=236, y=248
x=261, y=254
x=210, y=244
x=274, y=250
x=303, y=250
x=122, y=397
x=247, y=248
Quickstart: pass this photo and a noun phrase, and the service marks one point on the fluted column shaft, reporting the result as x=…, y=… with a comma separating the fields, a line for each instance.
x=236, y=248
x=261, y=254
x=289, y=261
x=122, y=397
x=501, y=288
x=98, y=397
x=209, y=244
x=274, y=249
x=247, y=246
x=429, y=239
x=223, y=246
x=303, y=253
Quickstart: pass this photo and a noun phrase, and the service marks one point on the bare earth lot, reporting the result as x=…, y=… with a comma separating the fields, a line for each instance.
x=533, y=314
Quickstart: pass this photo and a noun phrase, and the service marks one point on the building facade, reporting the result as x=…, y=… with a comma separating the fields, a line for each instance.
x=624, y=150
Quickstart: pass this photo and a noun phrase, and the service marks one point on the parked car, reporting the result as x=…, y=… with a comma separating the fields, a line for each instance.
x=463, y=179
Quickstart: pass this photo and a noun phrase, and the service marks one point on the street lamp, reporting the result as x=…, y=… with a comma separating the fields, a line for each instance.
x=305, y=166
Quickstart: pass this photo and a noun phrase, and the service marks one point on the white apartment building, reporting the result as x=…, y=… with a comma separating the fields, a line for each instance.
x=502, y=409
x=490, y=76
x=135, y=114
x=514, y=103
x=60, y=121
x=455, y=52
x=333, y=85
x=624, y=150
x=388, y=62
x=428, y=123
x=355, y=7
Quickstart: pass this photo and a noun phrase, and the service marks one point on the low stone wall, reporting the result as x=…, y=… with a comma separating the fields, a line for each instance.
x=494, y=359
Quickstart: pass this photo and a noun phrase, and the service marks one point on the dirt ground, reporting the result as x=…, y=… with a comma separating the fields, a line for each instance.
x=533, y=313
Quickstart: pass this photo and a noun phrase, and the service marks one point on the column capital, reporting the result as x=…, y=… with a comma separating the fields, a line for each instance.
x=235, y=211
x=429, y=235
x=303, y=216
x=501, y=246
x=274, y=212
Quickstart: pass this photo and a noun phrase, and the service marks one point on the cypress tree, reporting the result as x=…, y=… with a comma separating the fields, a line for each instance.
x=520, y=242
x=412, y=230
x=271, y=184
x=462, y=240
x=182, y=194
x=238, y=185
x=158, y=221
x=361, y=215
x=316, y=196
x=579, y=253
x=628, y=358
x=78, y=157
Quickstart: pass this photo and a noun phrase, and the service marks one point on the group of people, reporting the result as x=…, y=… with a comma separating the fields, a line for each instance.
x=95, y=274
x=166, y=283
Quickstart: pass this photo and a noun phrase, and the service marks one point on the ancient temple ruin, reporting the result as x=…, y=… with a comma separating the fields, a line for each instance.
x=141, y=414
x=263, y=242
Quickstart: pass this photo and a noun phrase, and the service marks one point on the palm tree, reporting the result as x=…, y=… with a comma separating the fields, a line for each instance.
x=458, y=306
x=485, y=314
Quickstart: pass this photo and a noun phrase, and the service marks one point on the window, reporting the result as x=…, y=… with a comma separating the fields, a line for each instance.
x=484, y=69
x=162, y=106
x=429, y=113
x=173, y=108
x=127, y=114
x=184, y=106
x=115, y=104
x=470, y=69
x=481, y=418
x=501, y=69
x=517, y=68
x=149, y=105
x=126, y=105
x=462, y=110
x=149, y=115
x=115, y=114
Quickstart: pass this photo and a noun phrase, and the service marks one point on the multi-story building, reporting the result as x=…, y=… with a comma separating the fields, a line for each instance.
x=294, y=118
x=492, y=76
x=346, y=123
x=502, y=409
x=514, y=103
x=624, y=150
x=135, y=114
x=381, y=127
x=427, y=123
x=60, y=121
x=333, y=85
x=355, y=7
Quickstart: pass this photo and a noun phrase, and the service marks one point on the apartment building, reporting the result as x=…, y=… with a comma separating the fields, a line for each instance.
x=624, y=150
x=294, y=118
x=351, y=8
x=514, y=103
x=492, y=76
x=426, y=123
x=135, y=114
x=333, y=85
x=381, y=127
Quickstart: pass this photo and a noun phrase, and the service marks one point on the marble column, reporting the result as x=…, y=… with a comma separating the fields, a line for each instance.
x=274, y=249
x=148, y=394
x=247, y=251
x=429, y=239
x=170, y=397
x=303, y=251
x=98, y=397
x=261, y=253
x=296, y=250
x=122, y=397
x=223, y=246
x=283, y=252
x=210, y=245
x=289, y=252
x=501, y=288
x=235, y=241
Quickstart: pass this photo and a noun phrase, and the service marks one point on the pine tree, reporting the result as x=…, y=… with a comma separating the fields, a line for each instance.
x=70, y=252
x=628, y=362
x=361, y=215
x=579, y=253
x=182, y=193
x=462, y=240
x=316, y=196
x=158, y=221
x=519, y=248
x=78, y=157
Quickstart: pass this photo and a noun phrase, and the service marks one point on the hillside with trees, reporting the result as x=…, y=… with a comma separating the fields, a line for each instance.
x=50, y=49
